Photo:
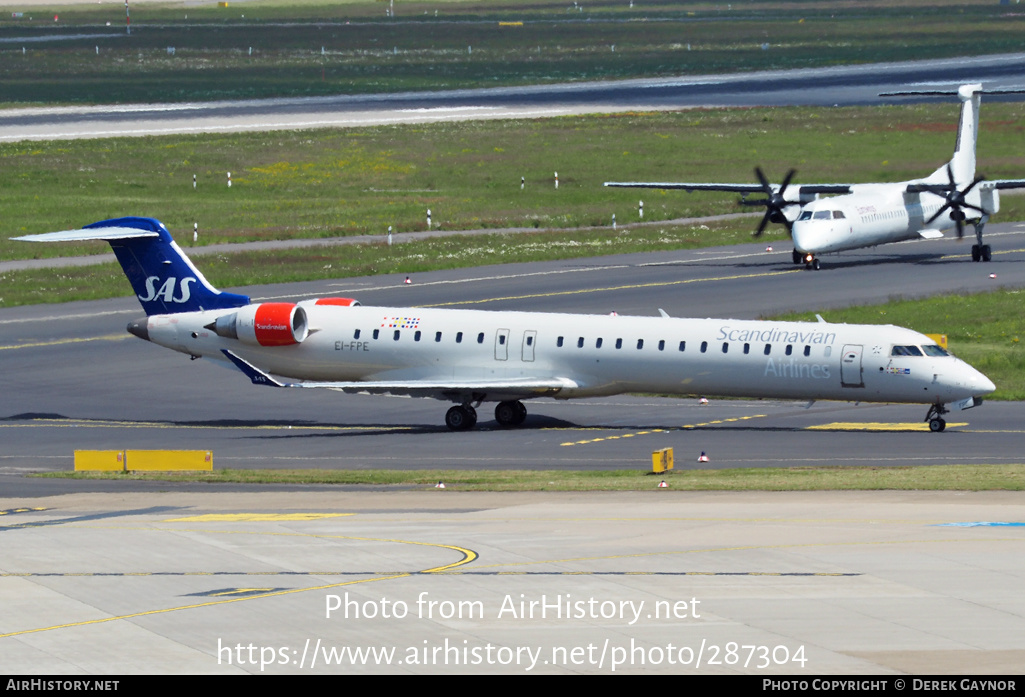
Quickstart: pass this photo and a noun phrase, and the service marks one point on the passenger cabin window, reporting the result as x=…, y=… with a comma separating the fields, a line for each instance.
x=416, y=336
x=501, y=339
x=640, y=344
x=480, y=338
x=725, y=346
x=377, y=333
x=598, y=342
x=619, y=343
x=807, y=350
x=747, y=349
x=396, y=337
x=768, y=349
x=704, y=346
x=558, y=342
x=437, y=336
x=662, y=345
x=580, y=342
x=790, y=349
x=683, y=345
x=355, y=335
x=459, y=337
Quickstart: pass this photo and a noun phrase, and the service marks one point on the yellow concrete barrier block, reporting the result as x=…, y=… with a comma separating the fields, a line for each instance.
x=168, y=460
x=99, y=460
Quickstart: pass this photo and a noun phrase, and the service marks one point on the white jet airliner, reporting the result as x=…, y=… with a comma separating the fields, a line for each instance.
x=866, y=215
x=472, y=356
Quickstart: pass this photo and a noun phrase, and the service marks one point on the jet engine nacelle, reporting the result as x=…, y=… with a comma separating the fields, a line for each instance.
x=265, y=324
x=339, y=302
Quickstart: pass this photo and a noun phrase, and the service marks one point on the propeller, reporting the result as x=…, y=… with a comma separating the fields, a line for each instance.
x=774, y=202
x=956, y=201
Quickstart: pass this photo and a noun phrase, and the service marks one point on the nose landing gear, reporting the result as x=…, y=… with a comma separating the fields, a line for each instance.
x=935, y=418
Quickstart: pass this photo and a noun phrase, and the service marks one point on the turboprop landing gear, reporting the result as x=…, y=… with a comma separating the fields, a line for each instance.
x=935, y=418
x=511, y=413
x=980, y=251
x=461, y=417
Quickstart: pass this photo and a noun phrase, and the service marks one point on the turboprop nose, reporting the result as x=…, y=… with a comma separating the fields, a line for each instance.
x=139, y=328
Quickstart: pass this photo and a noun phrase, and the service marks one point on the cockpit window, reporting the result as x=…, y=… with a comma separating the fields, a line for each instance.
x=934, y=350
x=906, y=351
x=838, y=215
x=805, y=215
x=823, y=215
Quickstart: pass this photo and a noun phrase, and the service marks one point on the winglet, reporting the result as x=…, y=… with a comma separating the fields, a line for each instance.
x=257, y=376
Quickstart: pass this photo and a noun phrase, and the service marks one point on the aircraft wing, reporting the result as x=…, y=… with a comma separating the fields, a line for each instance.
x=439, y=389
x=736, y=188
x=1003, y=184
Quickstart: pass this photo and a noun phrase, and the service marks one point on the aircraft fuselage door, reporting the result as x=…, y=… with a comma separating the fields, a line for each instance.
x=502, y=345
x=529, y=339
x=850, y=366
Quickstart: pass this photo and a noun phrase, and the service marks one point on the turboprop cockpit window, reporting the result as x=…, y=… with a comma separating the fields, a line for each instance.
x=934, y=350
x=806, y=215
x=823, y=215
x=838, y=215
x=905, y=351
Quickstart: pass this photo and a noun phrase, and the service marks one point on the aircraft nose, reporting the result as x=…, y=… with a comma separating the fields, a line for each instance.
x=983, y=385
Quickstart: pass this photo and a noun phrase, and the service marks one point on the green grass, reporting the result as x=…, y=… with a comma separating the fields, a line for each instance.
x=326, y=183
x=936, y=478
x=273, y=49
x=984, y=329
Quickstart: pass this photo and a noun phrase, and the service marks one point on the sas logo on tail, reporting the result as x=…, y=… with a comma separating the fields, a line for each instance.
x=166, y=291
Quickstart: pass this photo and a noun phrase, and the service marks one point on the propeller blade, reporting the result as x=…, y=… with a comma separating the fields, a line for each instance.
x=786, y=181
x=764, y=222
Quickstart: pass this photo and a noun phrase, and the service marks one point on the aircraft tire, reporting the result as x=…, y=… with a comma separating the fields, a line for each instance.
x=460, y=418
x=937, y=425
x=976, y=253
x=816, y=264
x=986, y=252
x=798, y=257
x=509, y=413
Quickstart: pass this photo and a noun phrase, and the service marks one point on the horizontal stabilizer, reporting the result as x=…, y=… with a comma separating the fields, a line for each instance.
x=103, y=234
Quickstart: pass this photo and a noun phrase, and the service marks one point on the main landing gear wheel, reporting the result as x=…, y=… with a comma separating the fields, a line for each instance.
x=981, y=252
x=798, y=257
x=511, y=413
x=461, y=418
x=935, y=418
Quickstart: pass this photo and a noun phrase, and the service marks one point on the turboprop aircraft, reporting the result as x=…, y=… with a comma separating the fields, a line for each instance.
x=866, y=215
x=472, y=356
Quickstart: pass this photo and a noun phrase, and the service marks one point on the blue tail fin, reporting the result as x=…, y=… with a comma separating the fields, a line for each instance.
x=164, y=279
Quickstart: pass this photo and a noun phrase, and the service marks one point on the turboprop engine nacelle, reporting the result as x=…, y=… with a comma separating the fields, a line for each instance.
x=266, y=324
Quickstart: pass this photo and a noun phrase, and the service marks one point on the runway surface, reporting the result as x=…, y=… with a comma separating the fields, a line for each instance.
x=845, y=85
x=307, y=582
x=74, y=379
